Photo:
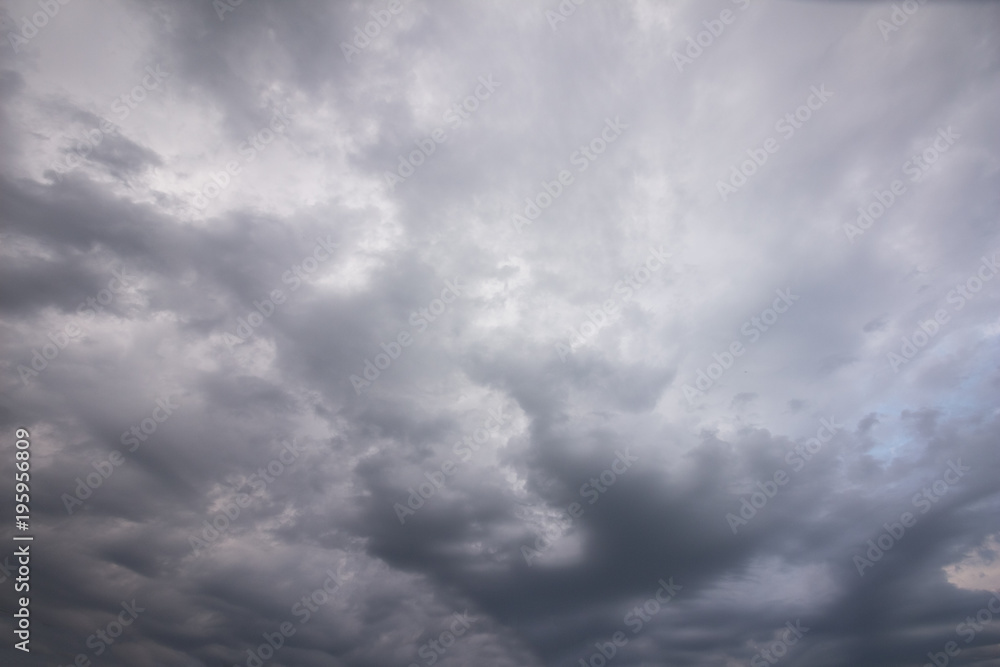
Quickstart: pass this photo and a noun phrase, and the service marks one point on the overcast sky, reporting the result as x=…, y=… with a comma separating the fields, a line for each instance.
x=503, y=333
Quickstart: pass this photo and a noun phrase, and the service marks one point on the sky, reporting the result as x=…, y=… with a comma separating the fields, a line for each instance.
x=500, y=333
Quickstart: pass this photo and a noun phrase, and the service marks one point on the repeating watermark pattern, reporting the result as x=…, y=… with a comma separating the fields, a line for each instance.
x=916, y=167
x=592, y=489
x=779, y=648
x=602, y=316
x=463, y=449
x=636, y=619
x=786, y=126
x=122, y=106
x=302, y=610
x=255, y=144
x=923, y=500
x=59, y=339
x=969, y=628
x=898, y=17
x=958, y=297
x=752, y=329
x=797, y=458
x=363, y=38
x=392, y=350
x=455, y=115
x=127, y=102
x=224, y=519
x=134, y=438
x=581, y=159
x=295, y=276
x=432, y=650
x=565, y=9
x=29, y=28
x=706, y=38
x=105, y=637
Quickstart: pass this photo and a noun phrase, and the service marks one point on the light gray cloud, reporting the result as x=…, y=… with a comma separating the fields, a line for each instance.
x=555, y=251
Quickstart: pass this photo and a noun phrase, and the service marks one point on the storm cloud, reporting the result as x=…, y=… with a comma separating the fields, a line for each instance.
x=502, y=333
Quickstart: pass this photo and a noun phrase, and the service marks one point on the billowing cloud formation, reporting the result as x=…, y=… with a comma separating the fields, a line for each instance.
x=499, y=334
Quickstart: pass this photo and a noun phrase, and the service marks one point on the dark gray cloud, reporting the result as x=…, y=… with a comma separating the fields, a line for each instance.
x=503, y=334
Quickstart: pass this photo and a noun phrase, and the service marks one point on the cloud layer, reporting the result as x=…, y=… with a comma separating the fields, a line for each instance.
x=501, y=333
